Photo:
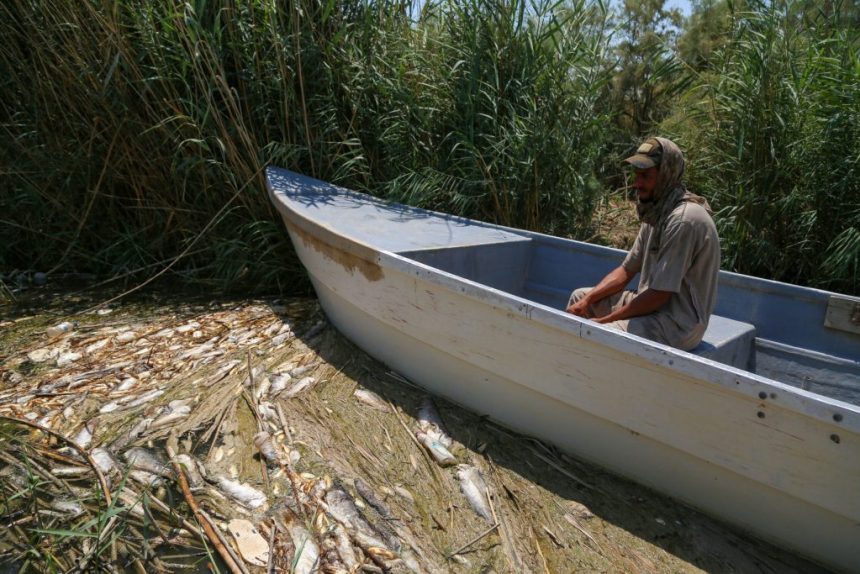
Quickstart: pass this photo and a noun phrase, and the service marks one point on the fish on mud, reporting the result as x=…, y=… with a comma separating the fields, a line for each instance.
x=307, y=555
x=301, y=385
x=367, y=493
x=278, y=382
x=133, y=434
x=193, y=470
x=372, y=399
x=125, y=385
x=67, y=506
x=145, y=478
x=140, y=458
x=172, y=415
x=342, y=508
x=438, y=450
x=475, y=490
x=264, y=443
x=246, y=495
x=431, y=423
x=345, y=549
x=104, y=460
x=84, y=438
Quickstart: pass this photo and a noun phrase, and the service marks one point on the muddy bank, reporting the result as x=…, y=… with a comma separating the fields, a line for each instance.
x=249, y=435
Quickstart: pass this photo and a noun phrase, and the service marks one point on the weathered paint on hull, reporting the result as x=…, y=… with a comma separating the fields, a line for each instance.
x=691, y=439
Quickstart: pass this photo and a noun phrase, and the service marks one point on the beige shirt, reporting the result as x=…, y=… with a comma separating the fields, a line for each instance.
x=686, y=264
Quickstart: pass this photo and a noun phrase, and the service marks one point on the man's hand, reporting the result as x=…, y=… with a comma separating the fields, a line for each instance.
x=580, y=308
x=644, y=303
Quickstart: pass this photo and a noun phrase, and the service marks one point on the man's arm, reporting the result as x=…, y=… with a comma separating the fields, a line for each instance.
x=614, y=282
x=644, y=303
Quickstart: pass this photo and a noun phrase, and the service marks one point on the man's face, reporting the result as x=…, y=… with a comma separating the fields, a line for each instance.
x=645, y=182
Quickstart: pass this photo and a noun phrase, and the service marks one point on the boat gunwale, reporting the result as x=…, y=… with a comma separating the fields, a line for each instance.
x=820, y=407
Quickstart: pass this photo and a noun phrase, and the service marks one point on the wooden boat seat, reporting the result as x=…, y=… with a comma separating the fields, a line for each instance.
x=729, y=342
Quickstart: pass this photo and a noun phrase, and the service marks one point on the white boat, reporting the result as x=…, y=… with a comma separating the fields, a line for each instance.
x=759, y=425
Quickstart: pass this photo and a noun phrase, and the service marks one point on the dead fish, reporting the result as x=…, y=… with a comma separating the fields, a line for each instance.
x=282, y=338
x=146, y=478
x=279, y=382
x=345, y=549
x=268, y=412
x=133, y=434
x=142, y=459
x=70, y=471
x=441, y=454
x=300, y=386
x=125, y=337
x=262, y=390
x=367, y=493
x=193, y=470
x=164, y=334
x=307, y=556
x=144, y=398
x=474, y=488
x=431, y=423
x=85, y=436
x=95, y=346
x=43, y=355
x=191, y=326
x=132, y=502
x=67, y=506
x=171, y=416
x=297, y=372
x=104, y=460
x=263, y=442
x=67, y=359
x=372, y=399
x=246, y=495
x=125, y=385
x=342, y=508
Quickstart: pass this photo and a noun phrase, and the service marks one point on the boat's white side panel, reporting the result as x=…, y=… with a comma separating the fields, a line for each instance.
x=754, y=463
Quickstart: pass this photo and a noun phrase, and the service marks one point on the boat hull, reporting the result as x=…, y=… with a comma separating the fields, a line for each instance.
x=471, y=312
x=494, y=361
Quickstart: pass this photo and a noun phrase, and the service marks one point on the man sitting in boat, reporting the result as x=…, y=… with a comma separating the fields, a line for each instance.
x=677, y=254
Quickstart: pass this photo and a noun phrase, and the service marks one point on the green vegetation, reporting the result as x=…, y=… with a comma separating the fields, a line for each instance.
x=134, y=134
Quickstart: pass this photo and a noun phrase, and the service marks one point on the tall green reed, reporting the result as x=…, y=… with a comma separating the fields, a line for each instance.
x=136, y=132
x=772, y=134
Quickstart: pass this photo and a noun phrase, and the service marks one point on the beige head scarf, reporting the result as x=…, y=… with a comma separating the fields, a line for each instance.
x=669, y=191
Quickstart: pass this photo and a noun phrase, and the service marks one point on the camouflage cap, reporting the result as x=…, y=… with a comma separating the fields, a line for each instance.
x=649, y=154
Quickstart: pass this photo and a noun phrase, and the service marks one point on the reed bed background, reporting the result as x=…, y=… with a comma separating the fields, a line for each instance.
x=134, y=134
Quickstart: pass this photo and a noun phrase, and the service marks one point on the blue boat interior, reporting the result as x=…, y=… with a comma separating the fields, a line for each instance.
x=772, y=329
x=803, y=337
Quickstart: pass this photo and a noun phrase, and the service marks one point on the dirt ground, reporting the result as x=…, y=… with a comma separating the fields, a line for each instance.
x=345, y=467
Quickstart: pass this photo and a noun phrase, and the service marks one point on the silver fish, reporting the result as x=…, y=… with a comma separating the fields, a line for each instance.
x=145, y=398
x=431, y=423
x=474, y=488
x=145, y=478
x=246, y=495
x=372, y=399
x=345, y=549
x=104, y=460
x=342, y=508
x=279, y=382
x=67, y=506
x=300, y=386
x=367, y=493
x=307, y=555
x=192, y=470
x=85, y=436
x=171, y=416
x=442, y=455
x=263, y=442
x=141, y=459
